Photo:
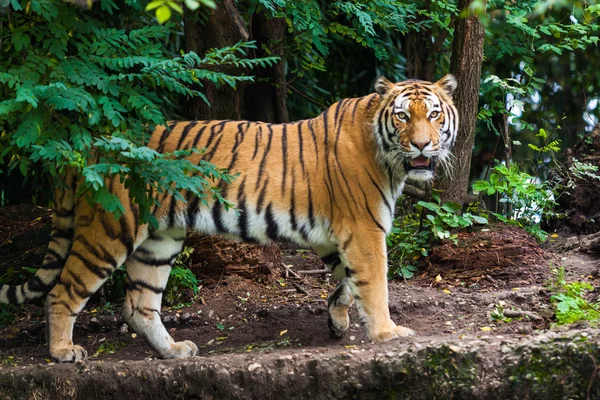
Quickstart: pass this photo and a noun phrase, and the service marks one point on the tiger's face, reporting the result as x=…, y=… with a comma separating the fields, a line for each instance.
x=416, y=125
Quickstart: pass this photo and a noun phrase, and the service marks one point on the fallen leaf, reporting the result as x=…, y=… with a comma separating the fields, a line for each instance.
x=447, y=291
x=554, y=235
x=283, y=332
x=486, y=328
x=438, y=278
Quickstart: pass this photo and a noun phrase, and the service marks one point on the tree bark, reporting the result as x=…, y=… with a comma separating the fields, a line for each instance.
x=420, y=59
x=467, y=57
x=223, y=27
x=265, y=100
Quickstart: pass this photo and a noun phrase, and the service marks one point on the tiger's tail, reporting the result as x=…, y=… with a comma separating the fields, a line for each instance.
x=61, y=239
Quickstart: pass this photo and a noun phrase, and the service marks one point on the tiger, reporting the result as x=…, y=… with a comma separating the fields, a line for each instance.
x=330, y=182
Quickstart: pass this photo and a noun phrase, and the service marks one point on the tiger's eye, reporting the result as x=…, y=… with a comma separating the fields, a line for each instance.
x=434, y=114
x=402, y=116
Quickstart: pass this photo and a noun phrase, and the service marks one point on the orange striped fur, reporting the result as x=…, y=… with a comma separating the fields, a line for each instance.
x=330, y=182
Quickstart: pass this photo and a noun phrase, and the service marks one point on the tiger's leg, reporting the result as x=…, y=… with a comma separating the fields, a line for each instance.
x=148, y=271
x=87, y=267
x=366, y=258
x=340, y=301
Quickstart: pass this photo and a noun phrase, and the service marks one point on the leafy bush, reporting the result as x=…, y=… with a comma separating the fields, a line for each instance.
x=519, y=199
x=570, y=303
x=183, y=285
x=78, y=93
x=411, y=238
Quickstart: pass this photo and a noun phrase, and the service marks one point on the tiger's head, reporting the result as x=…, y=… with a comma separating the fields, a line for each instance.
x=415, y=125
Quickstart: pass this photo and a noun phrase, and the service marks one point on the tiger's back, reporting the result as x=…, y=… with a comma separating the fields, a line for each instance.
x=330, y=183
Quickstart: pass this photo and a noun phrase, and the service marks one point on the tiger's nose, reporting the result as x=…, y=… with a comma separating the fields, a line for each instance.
x=420, y=144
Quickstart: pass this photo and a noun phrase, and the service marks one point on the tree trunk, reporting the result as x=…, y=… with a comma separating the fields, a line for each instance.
x=467, y=57
x=420, y=59
x=265, y=100
x=223, y=27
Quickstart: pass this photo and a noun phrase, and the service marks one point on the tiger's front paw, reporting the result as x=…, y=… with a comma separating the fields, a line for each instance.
x=71, y=353
x=393, y=333
x=183, y=349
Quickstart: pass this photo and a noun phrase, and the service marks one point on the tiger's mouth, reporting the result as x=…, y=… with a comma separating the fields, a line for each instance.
x=420, y=163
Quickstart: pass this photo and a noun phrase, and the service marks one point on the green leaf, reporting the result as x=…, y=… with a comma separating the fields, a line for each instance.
x=209, y=3
x=163, y=14
x=428, y=205
x=192, y=4
x=154, y=4
x=451, y=206
x=479, y=220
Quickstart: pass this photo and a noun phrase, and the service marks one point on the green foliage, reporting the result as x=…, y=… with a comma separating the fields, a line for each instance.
x=411, y=238
x=520, y=200
x=584, y=171
x=109, y=347
x=183, y=284
x=497, y=314
x=163, y=8
x=77, y=92
x=570, y=302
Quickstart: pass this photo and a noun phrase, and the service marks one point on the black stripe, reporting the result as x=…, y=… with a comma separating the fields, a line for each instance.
x=314, y=137
x=198, y=136
x=239, y=137
x=99, y=271
x=63, y=233
x=11, y=295
x=293, y=203
x=154, y=262
x=172, y=210
x=62, y=213
x=347, y=242
x=243, y=216
x=185, y=132
x=264, y=158
x=349, y=272
x=370, y=213
x=106, y=256
x=208, y=156
x=300, y=148
x=311, y=210
x=83, y=292
x=54, y=254
x=213, y=132
x=139, y=285
x=126, y=237
x=371, y=99
x=284, y=156
x=272, y=228
x=261, y=197
x=257, y=137
x=35, y=284
x=356, y=103
x=332, y=259
x=389, y=207
x=163, y=137
x=65, y=305
x=53, y=265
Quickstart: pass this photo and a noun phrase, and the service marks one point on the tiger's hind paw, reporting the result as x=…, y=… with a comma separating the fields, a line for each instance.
x=183, y=349
x=395, y=333
x=71, y=353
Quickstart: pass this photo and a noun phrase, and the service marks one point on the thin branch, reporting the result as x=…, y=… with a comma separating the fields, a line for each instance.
x=307, y=97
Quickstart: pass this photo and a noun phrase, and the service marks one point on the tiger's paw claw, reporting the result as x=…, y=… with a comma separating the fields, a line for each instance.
x=71, y=353
x=183, y=349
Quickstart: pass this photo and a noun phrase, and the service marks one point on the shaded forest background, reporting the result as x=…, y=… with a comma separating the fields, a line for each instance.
x=537, y=93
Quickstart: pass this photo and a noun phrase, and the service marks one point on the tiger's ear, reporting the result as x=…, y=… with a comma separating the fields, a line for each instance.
x=448, y=84
x=382, y=85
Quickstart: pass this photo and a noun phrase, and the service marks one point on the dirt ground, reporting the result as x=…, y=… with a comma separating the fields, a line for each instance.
x=451, y=300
